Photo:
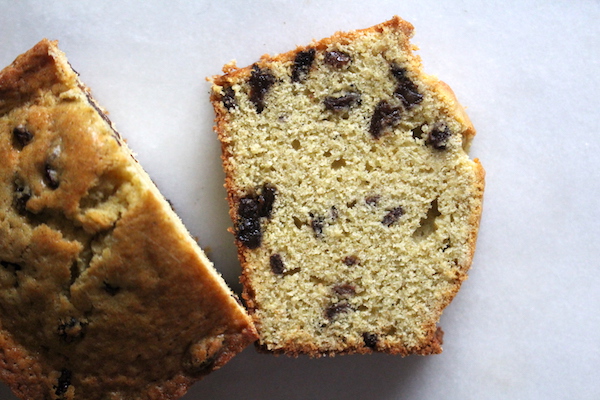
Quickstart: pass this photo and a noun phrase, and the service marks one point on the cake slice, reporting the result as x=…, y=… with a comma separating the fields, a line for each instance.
x=354, y=203
x=104, y=293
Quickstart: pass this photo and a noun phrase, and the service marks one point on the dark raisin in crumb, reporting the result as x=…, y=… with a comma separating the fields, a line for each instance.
x=248, y=207
x=51, y=177
x=228, y=98
x=384, y=116
x=350, y=260
x=333, y=310
x=344, y=289
x=71, y=329
x=406, y=90
x=266, y=199
x=392, y=216
x=317, y=223
x=64, y=381
x=341, y=103
x=277, y=265
x=438, y=137
x=373, y=200
x=337, y=59
x=302, y=64
x=110, y=289
x=21, y=137
x=21, y=197
x=371, y=340
x=260, y=82
x=249, y=232
x=250, y=211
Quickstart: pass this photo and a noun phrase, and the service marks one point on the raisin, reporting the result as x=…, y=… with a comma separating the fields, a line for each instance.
x=266, y=199
x=370, y=339
x=373, y=200
x=71, y=330
x=64, y=381
x=302, y=64
x=249, y=232
x=248, y=208
x=384, y=116
x=344, y=289
x=51, y=177
x=392, y=216
x=110, y=289
x=342, y=102
x=406, y=90
x=277, y=265
x=350, y=260
x=21, y=137
x=250, y=211
x=337, y=59
x=228, y=98
x=317, y=223
x=438, y=137
x=260, y=82
x=21, y=197
x=333, y=310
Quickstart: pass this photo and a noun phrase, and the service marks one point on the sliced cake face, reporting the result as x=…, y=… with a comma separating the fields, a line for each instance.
x=354, y=203
x=104, y=293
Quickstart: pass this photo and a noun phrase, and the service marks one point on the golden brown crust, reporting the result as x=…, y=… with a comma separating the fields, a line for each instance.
x=456, y=109
x=26, y=76
x=253, y=275
x=104, y=292
x=233, y=73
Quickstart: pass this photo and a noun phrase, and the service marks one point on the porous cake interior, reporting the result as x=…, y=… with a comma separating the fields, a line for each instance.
x=354, y=164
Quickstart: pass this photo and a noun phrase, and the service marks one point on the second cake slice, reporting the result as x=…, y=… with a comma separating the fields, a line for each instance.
x=104, y=293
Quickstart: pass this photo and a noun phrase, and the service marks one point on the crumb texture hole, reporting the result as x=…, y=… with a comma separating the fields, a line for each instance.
x=339, y=163
x=428, y=225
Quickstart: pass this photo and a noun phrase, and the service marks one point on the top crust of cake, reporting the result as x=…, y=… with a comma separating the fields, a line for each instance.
x=355, y=205
x=105, y=295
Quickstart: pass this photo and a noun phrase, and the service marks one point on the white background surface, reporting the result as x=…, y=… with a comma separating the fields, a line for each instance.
x=526, y=325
